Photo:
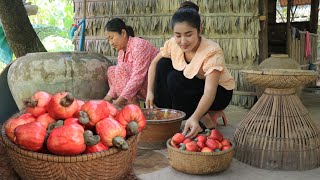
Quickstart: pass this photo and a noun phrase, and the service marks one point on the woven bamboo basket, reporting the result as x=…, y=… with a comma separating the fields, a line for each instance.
x=279, y=78
x=110, y=164
x=198, y=162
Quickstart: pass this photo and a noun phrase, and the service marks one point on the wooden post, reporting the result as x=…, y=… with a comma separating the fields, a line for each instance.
x=263, y=34
x=314, y=16
x=288, y=27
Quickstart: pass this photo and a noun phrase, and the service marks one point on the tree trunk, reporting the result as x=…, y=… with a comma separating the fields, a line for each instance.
x=20, y=34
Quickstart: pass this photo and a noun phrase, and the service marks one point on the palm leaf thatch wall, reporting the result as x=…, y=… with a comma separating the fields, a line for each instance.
x=234, y=24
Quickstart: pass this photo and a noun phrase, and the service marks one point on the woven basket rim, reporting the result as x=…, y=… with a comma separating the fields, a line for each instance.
x=56, y=158
x=200, y=153
x=163, y=121
x=286, y=72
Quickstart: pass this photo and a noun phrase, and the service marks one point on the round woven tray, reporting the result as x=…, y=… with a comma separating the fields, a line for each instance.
x=199, y=162
x=279, y=78
x=110, y=164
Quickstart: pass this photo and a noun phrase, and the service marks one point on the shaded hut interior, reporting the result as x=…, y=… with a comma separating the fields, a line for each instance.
x=278, y=32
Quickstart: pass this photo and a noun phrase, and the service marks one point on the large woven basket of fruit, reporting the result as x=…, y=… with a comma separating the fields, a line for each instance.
x=208, y=153
x=59, y=137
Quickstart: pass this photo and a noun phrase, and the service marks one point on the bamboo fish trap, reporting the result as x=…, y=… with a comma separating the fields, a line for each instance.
x=278, y=133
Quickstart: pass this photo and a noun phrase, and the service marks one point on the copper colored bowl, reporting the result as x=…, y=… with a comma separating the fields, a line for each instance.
x=162, y=124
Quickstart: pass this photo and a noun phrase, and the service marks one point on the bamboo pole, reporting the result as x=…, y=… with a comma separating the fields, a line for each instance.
x=288, y=26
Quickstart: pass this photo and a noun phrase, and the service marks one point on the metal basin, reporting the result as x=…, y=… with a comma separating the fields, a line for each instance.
x=162, y=124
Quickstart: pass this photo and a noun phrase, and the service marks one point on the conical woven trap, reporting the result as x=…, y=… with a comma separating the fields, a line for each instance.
x=278, y=133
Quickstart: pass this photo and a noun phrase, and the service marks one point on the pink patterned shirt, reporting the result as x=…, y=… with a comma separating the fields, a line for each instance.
x=129, y=77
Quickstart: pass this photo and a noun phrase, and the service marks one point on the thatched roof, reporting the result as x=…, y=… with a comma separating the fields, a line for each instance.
x=232, y=23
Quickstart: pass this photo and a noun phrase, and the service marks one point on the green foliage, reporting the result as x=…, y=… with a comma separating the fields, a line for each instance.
x=44, y=31
x=53, y=20
x=55, y=14
x=68, y=18
x=55, y=44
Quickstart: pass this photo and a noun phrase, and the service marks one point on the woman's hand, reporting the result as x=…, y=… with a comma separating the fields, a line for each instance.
x=117, y=103
x=120, y=101
x=108, y=98
x=192, y=126
x=149, y=100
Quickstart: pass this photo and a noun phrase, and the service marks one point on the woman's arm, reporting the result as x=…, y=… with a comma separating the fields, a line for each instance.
x=142, y=56
x=151, y=77
x=209, y=94
x=111, y=94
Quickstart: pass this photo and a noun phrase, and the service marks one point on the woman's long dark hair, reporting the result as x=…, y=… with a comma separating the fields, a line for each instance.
x=116, y=25
x=188, y=12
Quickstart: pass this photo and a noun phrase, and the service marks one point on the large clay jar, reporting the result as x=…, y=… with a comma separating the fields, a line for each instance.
x=81, y=73
x=277, y=61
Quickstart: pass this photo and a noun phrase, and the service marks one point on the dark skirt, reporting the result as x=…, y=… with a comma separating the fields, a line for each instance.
x=173, y=90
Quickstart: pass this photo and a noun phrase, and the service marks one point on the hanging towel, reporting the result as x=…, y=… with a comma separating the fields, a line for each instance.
x=307, y=46
x=295, y=33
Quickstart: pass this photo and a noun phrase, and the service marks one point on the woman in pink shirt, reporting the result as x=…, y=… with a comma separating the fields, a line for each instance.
x=128, y=79
x=189, y=73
